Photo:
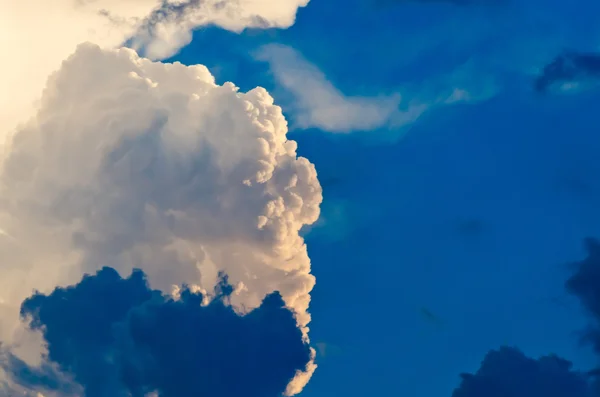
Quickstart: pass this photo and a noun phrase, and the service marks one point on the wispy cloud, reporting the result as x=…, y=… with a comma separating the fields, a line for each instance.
x=318, y=103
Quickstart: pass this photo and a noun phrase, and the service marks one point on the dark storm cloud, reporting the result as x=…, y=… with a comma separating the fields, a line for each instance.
x=116, y=337
x=507, y=372
x=569, y=67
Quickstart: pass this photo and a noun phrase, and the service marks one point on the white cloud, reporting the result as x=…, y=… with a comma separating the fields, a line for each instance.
x=133, y=163
x=317, y=103
x=35, y=36
x=170, y=26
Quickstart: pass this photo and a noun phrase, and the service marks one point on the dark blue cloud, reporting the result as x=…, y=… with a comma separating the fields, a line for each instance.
x=117, y=337
x=569, y=67
x=585, y=285
x=507, y=372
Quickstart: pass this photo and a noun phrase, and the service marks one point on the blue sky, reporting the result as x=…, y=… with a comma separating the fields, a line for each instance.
x=473, y=214
x=457, y=199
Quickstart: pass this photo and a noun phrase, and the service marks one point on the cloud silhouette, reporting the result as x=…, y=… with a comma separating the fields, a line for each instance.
x=585, y=285
x=569, y=67
x=117, y=337
x=507, y=372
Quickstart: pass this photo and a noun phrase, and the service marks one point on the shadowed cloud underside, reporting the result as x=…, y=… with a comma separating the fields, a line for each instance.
x=117, y=337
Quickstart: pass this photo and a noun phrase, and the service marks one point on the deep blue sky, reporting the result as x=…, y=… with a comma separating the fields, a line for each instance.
x=473, y=215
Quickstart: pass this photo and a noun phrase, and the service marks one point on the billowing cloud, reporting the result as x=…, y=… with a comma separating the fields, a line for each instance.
x=508, y=372
x=569, y=69
x=117, y=337
x=139, y=164
x=317, y=103
x=38, y=35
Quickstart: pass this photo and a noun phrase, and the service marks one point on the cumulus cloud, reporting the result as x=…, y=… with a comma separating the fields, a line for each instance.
x=569, y=69
x=37, y=35
x=139, y=164
x=117, y=337
x=508, y=372
x=317, y=103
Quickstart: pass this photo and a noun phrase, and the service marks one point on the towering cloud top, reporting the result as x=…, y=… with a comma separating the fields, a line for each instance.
x=132, y=163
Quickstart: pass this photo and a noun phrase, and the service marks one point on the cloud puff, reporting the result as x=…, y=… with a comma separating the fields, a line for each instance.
x=38, y=35
x=508, y=372
x=317, y=103
x=569, y=69
x=137, y=164
x=117, y=337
